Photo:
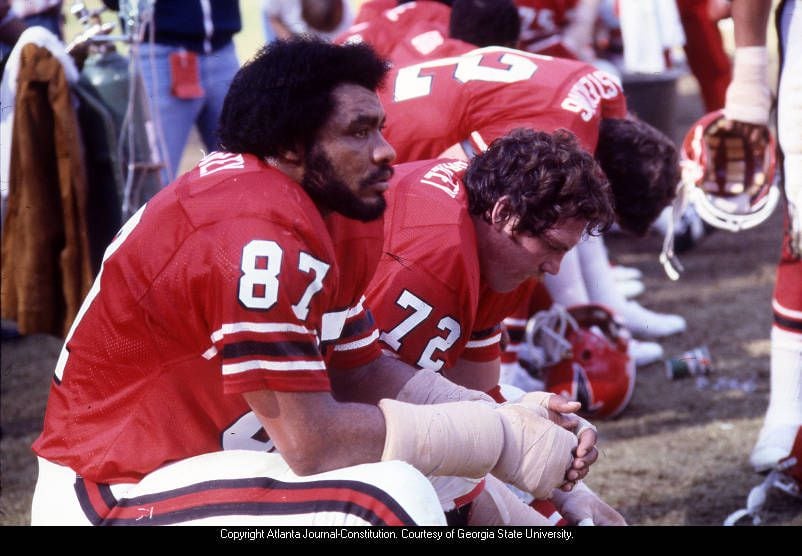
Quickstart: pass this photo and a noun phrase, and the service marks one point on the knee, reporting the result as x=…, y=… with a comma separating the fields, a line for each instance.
x=408, y=488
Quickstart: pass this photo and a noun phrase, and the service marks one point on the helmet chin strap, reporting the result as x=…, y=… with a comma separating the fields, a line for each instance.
x=668, y=258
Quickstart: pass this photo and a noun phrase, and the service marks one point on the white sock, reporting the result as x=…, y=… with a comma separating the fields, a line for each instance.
x=567, y=287
x=785, y=399
x=597, y=275
x=601, y=287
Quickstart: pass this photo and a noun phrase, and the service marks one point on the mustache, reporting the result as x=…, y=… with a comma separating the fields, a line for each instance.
x=384, y=173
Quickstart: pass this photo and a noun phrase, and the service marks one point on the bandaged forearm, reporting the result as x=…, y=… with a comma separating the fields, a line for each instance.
x=537, y=452
x=429, y=387
x=517, y=443
x=497, y=505
x=458, y=438
x=748, y=96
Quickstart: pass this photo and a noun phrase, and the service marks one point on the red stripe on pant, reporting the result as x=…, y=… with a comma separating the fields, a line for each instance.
x=214, y=497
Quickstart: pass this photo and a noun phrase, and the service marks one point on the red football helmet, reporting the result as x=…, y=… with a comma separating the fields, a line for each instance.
x=729, y=179
x=592, y=366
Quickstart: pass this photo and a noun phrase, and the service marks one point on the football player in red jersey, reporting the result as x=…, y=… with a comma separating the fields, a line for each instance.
x=231, y=305
x=458, y=235
x=468, y=100
x=387, y=27
x=541, y=25
x=417, y=31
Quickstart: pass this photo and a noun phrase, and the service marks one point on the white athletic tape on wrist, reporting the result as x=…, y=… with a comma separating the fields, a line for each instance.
x=458, y=438
x=498, y=505
x=748, y=97
x=537, y=453
x=428, y=387
x=536, y=399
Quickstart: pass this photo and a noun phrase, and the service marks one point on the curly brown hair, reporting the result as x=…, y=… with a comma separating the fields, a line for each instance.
x=547, y=178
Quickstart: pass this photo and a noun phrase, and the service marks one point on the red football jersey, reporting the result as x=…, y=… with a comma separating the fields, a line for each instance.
x=425, y=292
x=484, y=93
x=385, y=31
x=541, y=24
x=227, y=281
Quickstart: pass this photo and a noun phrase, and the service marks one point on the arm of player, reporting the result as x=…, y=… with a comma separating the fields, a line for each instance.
x=477, y=375
x=315, y=433
x=389, y=377
x=518, y=444
x=748, y=98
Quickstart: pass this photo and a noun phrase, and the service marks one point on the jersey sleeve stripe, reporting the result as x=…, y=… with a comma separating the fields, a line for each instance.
x=359, y=326
x=482, y=343
x=288, y=349
x=244, y=366
x=485, y=332
x=236, y=327
x=257, y=328
x=509, y=321
x=357, y=344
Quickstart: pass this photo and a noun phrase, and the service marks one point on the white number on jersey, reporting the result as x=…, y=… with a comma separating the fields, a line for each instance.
x=307, y=263
x=409, y=83
x=420, y=311
x=545, y=22
x=261, y=265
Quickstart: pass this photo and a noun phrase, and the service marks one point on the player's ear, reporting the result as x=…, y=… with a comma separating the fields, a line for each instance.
x=501, y=212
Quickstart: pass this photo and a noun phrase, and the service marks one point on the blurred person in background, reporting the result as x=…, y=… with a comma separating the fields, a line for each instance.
x=323, y=18
x=193, y=62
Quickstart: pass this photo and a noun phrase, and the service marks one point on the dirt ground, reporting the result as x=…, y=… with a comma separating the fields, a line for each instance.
x=676, y=456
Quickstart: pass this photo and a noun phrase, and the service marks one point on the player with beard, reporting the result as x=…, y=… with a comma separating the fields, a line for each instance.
x=223, y=368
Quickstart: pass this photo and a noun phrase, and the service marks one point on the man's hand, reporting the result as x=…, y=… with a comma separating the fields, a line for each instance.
x=562, y=412
x=537, y=454
x=738, y=161
x=583, y=504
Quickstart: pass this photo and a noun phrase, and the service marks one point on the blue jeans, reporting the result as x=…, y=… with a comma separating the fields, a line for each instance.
x=179, y=115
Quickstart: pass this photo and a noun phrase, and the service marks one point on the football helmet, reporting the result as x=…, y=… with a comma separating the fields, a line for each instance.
x=727, y=176
x=586, y=357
